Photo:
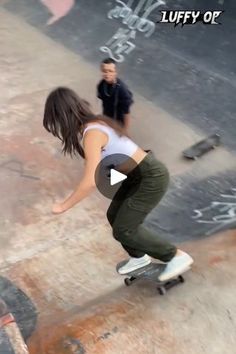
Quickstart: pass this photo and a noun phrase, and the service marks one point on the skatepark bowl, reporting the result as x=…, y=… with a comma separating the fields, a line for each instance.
x=59, y=289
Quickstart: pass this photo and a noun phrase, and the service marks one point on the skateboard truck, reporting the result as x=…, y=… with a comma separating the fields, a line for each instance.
x=162, y=287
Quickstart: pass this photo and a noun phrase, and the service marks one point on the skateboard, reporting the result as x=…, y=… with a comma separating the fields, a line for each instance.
x=151, y=272
x=203, y=146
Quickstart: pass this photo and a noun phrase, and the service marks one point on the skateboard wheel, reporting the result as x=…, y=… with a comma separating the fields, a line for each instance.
x=127, y=282
x=181, y=279
x=162, y=290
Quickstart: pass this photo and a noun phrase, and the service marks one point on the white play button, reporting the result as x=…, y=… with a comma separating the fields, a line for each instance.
x=116, y=177
x=112, y=183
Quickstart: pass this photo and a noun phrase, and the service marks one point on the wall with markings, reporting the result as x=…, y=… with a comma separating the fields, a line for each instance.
x=188, y=71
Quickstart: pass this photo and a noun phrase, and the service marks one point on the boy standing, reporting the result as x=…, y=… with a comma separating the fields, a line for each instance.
x=115, y=96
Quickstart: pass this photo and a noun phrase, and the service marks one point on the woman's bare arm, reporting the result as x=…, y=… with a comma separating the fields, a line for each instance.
x=94, y=140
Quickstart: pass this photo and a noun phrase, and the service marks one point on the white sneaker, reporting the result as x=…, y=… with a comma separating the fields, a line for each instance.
x=134, y=263
x=176, y=266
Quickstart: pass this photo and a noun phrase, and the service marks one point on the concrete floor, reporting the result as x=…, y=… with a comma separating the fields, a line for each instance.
x=66, y=264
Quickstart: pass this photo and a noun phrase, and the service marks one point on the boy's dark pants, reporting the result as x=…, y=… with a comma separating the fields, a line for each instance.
x=132, y=203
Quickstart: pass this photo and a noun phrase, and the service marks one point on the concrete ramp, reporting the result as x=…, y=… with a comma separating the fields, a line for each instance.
x=71, y=298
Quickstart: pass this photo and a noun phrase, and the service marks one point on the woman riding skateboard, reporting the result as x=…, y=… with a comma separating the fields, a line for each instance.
x=70, y=118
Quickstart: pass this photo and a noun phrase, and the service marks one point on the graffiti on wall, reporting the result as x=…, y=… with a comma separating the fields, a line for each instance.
x=219, y=213
x=135, y=19
x=58, y=9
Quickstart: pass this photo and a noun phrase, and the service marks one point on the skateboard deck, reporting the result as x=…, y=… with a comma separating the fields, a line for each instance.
x=203, y=146
x=151, y=272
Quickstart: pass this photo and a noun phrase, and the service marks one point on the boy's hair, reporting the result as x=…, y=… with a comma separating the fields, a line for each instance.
x=109, y=61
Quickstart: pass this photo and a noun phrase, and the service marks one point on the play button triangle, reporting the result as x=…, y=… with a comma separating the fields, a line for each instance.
x=116, y=177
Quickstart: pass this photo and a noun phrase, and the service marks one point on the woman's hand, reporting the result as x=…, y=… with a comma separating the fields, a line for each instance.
x=93, y=143
x=58, y=208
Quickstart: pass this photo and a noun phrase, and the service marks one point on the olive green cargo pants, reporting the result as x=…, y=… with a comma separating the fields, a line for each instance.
x=133, y=202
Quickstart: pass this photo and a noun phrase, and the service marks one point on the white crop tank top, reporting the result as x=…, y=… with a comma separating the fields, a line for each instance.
x=116, y=144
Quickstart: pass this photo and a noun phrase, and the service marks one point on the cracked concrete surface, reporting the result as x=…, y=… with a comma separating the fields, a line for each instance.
x=66, y=264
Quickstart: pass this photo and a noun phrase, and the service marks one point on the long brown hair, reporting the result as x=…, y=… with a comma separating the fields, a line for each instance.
x=66, y=115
